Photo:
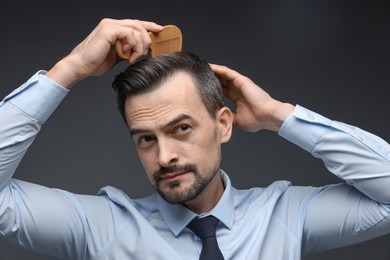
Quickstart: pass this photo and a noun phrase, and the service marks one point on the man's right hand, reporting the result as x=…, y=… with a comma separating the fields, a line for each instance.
x=96, y=54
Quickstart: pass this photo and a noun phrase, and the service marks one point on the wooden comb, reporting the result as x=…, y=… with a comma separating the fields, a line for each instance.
x=168, y=40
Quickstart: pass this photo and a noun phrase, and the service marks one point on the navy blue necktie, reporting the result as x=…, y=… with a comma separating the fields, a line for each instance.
x=205, y=228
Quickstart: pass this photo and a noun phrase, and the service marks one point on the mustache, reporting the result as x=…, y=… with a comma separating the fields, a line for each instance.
x=175, y=168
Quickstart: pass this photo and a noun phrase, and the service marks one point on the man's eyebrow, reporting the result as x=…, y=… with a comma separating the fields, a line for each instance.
x=174, y=121
x=135, y=131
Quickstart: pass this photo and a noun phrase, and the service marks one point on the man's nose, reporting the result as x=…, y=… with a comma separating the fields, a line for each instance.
x=167, y=154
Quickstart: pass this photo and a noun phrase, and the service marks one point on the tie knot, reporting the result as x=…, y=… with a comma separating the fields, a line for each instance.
x=204, y=227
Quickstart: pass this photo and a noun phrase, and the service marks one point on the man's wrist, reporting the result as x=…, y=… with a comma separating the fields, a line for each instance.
x=281, y=112
x=64, y=74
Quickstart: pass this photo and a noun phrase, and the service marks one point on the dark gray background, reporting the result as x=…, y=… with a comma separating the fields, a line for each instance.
x=330, y=56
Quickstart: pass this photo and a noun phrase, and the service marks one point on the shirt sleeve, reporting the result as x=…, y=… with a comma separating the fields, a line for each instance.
x=354, y=155
x=47, y=221
x=350, y=212
x=22, y=114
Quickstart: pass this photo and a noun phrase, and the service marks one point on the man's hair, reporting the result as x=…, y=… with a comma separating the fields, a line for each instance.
x=148, y=74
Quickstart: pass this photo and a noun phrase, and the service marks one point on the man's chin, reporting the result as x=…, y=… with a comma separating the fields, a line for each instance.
x=176, y=194
x=183, y=189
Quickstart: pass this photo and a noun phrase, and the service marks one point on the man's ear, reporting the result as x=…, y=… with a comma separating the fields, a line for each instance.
x=225, y=123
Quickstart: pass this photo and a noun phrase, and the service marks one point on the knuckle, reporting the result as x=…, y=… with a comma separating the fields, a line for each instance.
x=148, y=41
x=105, y=21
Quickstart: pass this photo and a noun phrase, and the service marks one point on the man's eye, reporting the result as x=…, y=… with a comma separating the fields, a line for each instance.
x=145, y=139
x=182, y=129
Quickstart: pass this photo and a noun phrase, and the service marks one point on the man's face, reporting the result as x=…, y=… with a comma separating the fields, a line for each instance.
x=179, y=144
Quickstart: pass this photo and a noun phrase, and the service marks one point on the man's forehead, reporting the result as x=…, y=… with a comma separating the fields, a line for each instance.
x=178, y=95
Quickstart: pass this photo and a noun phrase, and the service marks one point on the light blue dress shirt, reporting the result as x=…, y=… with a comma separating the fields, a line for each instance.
x=277, y=222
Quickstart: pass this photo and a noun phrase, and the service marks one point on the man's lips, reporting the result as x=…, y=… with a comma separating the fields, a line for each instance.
x=172, y=176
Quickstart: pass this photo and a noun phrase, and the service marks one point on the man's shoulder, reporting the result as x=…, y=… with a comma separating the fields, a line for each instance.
x=122, y=199
x=268, y=193
x=280, y=185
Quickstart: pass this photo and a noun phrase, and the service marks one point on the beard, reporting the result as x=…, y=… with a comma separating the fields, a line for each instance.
x=176, y=193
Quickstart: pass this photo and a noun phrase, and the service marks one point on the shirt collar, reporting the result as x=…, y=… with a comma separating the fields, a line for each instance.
x=177, y=216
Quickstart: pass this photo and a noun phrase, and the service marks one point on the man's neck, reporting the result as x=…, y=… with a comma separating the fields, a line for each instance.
x=209, y=197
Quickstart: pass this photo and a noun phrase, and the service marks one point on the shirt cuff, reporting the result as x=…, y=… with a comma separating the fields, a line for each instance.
x=304, y=128
x=38, y=97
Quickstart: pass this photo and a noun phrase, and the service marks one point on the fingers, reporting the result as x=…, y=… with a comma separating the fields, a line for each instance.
x=224, y=72
x=152, y=26
x=232, y=79
x=131, y=36
x=221, y=72
x=132, y=46
x=229, y=77
x=232, y=82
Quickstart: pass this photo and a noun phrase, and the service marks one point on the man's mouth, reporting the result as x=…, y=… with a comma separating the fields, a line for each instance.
x=174, y=173
x=172, y=176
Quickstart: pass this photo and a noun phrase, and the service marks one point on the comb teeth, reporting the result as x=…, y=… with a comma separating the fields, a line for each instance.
x=168, y=46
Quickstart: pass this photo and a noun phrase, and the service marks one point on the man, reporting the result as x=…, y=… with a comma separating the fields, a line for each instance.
x=173, y=107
